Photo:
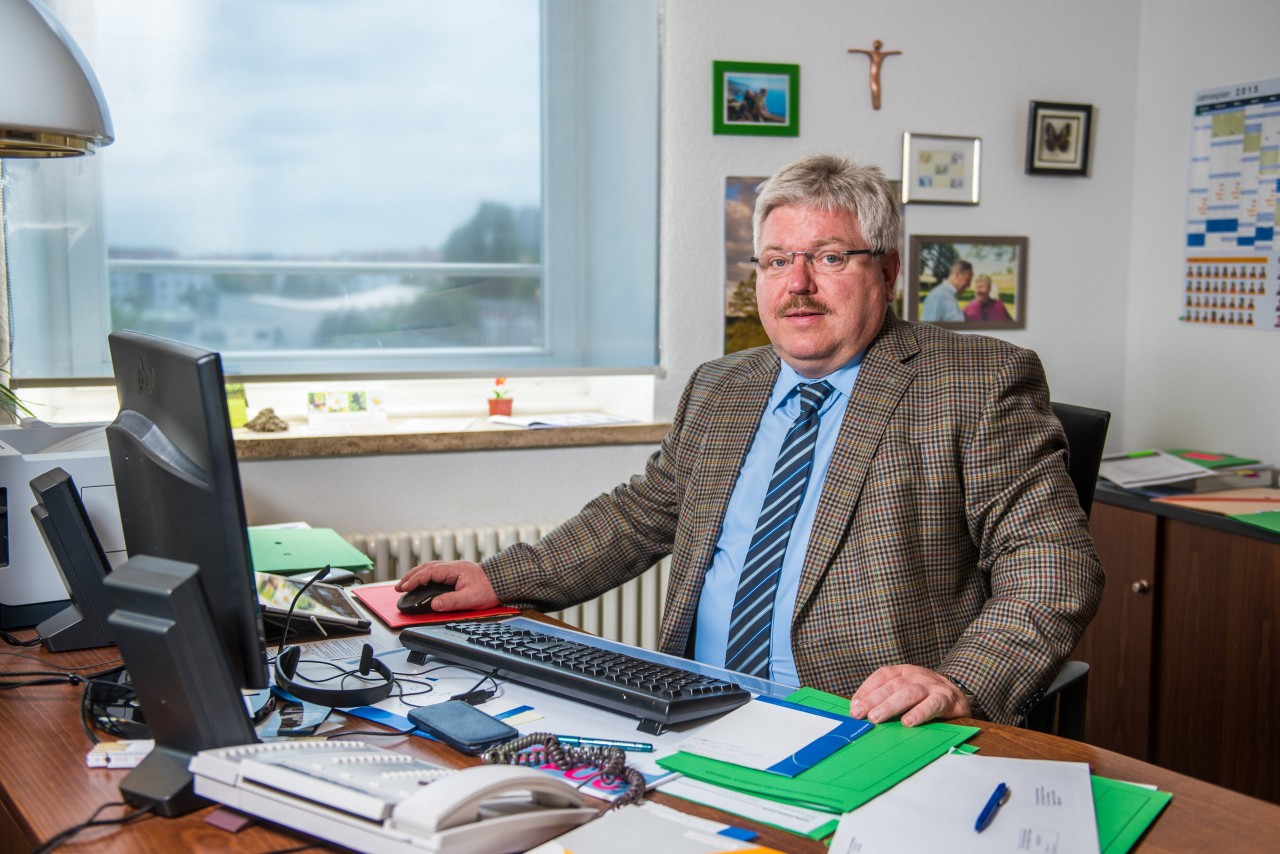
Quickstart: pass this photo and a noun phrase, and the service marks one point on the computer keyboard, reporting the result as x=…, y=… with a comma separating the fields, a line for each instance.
x=657, y=694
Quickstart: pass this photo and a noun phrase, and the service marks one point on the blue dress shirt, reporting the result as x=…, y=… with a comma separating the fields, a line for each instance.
x=721, y=583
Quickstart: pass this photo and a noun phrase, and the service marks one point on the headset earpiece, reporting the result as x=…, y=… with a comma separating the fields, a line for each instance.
x=287, y=661
x=366, y=659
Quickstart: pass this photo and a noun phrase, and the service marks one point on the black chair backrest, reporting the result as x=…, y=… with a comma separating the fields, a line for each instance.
x=1086, y=431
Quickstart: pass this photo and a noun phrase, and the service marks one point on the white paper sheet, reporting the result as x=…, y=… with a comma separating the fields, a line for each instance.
x=1050, y=809
x=792, y=817
x=765, y=735
x=646, y=828
x=1149, y=469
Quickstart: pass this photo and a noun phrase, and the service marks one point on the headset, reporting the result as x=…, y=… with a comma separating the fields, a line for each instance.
x=366, y=695
x=286, y=668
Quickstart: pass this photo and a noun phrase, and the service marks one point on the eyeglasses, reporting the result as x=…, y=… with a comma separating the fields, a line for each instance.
x=775, y=263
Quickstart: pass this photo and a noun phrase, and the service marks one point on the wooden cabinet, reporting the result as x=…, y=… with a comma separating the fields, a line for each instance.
x=1183, y=654
x=1118, y=644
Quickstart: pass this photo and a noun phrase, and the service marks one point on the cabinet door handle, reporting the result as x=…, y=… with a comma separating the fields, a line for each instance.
x=1141, y=586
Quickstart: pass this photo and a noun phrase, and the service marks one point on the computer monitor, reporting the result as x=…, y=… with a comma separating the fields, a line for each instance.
x=178, y=485
x=73, y=544
x=186, y=616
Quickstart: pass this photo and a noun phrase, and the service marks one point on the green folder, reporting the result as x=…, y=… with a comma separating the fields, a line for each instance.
x=1212, y=460
x=848, y=778
x=288, y=551
x=1268, y=520
x=1124, y=812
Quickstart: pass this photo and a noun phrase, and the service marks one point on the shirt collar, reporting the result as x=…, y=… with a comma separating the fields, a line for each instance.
x=841, y=379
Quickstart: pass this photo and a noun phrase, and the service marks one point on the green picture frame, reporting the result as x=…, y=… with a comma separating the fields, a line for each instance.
x=755, y=98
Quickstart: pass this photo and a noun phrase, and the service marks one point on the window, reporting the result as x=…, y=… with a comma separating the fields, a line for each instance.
x=389, y=187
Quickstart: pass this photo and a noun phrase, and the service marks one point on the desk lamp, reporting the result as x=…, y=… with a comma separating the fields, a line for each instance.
x=50, y=103
x=50, y=106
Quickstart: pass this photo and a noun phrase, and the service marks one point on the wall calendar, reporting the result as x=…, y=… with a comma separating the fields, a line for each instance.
x=1232, y=274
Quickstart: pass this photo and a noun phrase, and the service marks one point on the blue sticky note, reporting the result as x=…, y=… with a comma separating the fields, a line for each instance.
x=511, y=713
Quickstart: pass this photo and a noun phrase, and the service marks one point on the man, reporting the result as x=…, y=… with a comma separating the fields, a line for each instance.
x=940, y=303
x=984, y=306
x=938, y=562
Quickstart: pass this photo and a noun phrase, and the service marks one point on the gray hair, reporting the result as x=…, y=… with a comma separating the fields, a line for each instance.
x=832, y=183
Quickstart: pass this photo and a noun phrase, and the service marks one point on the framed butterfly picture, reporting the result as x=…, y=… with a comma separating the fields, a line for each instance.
x=1058, y=137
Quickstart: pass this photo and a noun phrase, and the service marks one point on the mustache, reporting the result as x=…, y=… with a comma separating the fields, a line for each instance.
x=799, y=302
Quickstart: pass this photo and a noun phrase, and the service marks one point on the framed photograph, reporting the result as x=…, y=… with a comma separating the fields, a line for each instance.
x=755, y=98
x=968, y=282
x=1058, y=138
x=941, y=170
x=742, y=327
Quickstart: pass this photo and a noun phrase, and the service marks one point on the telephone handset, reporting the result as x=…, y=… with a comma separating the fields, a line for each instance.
x=371, y=799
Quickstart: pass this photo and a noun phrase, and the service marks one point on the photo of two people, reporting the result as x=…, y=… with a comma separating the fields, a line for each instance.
x=977, y=282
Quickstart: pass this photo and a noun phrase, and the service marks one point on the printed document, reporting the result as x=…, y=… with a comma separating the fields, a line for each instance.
x=1049, y=809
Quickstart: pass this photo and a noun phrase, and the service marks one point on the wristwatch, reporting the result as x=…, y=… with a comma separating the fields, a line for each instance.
x=975, y=707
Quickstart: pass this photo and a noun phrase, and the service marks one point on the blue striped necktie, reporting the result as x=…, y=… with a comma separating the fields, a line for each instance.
x=752, y=620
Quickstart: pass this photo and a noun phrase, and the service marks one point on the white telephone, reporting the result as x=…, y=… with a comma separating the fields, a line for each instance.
x=370, y=799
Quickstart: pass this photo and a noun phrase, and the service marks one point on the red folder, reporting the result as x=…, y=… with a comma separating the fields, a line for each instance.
x=381, y=600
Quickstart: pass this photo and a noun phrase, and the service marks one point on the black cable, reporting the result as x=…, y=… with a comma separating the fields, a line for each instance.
x=474, y=696
x=69, y=669
x=393, y=732
x=289, y=618
x=62, y=836
x=47, y=677
x=13, y=641
x=401, y=693
x=97, y=711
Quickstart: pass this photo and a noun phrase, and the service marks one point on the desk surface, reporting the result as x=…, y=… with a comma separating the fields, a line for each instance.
x=45, y=786
x=1109, y=494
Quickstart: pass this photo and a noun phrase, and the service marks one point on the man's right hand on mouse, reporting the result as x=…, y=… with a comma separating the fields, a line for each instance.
x=472, y=590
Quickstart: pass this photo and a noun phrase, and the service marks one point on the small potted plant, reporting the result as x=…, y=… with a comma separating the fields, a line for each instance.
x=500, y=403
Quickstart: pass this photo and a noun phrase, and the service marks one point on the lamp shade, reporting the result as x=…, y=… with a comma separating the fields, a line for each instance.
x=50, y=103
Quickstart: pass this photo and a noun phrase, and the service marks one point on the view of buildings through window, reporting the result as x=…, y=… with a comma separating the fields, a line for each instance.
x=339, y=169
x=350, y=187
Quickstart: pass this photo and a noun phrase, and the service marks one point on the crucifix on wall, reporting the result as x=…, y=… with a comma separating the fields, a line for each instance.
x=876, y=55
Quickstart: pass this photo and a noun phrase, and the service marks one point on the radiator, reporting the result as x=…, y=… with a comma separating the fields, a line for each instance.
x=630, y=613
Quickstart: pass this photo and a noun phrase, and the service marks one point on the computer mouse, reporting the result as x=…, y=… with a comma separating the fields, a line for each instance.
x=418, y=600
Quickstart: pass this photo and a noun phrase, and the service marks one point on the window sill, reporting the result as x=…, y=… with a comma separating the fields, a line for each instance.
x=404, y=437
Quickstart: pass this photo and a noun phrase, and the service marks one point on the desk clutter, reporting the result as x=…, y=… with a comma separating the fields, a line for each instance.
x=799, y=764
x=1239, y=488
x=1183, y=470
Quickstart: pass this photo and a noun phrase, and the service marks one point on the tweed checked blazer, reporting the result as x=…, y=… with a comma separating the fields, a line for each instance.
x=948, y=533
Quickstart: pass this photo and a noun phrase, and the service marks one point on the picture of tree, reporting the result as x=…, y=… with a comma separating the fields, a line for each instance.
x=742, y=328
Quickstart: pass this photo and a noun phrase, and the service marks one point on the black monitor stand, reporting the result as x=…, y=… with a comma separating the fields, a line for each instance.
x=68, y=533
x=180, y=671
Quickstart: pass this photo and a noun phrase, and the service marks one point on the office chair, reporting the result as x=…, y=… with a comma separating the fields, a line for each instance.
x=1061, y=710
x=1086, y=431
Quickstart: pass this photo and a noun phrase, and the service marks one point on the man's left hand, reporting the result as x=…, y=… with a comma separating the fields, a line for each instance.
x=916, y=693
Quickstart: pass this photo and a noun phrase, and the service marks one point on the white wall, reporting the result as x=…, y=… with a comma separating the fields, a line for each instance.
x=403, y=492
x=1103, y=253
x=1210, y=388
x=966, y=69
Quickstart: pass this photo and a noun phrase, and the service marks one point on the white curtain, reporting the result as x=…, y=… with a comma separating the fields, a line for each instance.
x=6, y=411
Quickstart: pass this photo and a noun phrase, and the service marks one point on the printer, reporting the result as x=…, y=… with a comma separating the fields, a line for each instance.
x=31, y=587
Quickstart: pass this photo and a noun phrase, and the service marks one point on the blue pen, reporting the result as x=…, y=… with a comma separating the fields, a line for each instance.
x=581, y=741
x=998, y=797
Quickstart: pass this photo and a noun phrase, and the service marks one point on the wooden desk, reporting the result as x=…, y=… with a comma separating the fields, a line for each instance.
x=45, y=786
